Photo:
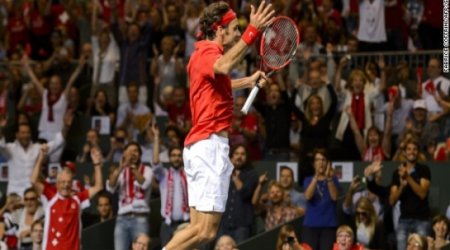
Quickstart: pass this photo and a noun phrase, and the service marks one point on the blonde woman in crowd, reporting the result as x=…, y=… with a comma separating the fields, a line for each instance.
x=369, y=230
x=345, y=239
x=417, y=242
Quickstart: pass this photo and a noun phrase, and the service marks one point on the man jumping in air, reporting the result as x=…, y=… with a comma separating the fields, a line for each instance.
x=205, y=155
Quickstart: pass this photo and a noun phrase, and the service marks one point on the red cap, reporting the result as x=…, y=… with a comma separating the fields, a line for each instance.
x=71, y=165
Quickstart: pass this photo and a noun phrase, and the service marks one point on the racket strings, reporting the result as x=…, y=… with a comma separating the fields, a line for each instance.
x=279, y=43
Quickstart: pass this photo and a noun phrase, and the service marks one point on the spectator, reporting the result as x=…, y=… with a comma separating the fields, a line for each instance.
x=321, y=192
x=275, y=209
x=371, y=30
x=106, y=56
x=134, y=46
x=225, y=242
x=377, y=146
x=16, y=37
x=417, y=242
x=92, y=141
x=276, y=113
x=173, y=189
x=21, y=155
x=399, y=154
x=431, y=24
x=101, y=106
x=116, y=145
x=178, y=108
x=132, y=181
x=369, y=230
x=410, y=185
x=288, y=240
x=357, y=190
x=401, y=111
x=30, y=100
x=55, y=102
x=148, y=146
x=440, y=239
x=9, y=228
x=166, y=68
x=62, y=208
x=421, y=125
x=191, y=24
x=345, y=239
x=40, y=23
x=37, y=232
x=292, y=196
x=434, y=85
x=141, y=242
x=26, y=216
x=172, y=24
x=359, y=98
x=238, y=217
x=104, y=210
x=133, y=115
x=396, y=26
x=246, y=129
x=316, y=120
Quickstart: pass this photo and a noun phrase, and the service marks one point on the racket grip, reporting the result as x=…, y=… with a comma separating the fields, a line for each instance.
x=250, y=99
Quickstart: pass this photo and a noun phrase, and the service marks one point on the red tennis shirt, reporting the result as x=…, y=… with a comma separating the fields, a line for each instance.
x=210, y=94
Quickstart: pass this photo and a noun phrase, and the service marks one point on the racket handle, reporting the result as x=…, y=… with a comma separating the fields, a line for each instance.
x=250, y=99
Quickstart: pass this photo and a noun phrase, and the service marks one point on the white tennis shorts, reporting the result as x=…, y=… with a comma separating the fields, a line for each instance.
x=208, y=169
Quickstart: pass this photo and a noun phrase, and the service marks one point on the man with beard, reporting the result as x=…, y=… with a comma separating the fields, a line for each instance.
x=275, y=209
x=173, y=189
x=410, y=185
x=238, y=217
x=132, y=180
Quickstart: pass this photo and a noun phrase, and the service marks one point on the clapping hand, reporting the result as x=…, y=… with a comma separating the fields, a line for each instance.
x=96, y=156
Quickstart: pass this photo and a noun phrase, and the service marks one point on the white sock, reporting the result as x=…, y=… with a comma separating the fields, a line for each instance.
x=163, y=248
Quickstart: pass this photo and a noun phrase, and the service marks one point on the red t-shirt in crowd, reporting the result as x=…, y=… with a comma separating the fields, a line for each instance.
x=179, y=115
x=40, y=25
x=210, y=94
x=433, y=13
x=249, y=122
x=62, y=219
x=106, y=6
x=18, y=33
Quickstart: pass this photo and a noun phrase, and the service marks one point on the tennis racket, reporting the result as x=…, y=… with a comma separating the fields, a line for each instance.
x=278, y=46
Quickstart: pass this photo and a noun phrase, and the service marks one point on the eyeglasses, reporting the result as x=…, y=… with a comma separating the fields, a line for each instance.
x=29, y=198
x=320, y=159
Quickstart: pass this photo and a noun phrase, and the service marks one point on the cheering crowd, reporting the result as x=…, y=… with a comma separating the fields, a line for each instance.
x=103, y=83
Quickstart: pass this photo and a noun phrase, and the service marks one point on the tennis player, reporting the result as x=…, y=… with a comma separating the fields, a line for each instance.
x=206, y=159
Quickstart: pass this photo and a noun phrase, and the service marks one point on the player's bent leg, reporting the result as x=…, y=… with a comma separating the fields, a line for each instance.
x=203, y=231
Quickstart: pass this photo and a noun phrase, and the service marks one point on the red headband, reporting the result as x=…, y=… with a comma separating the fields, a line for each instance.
x=226, y=19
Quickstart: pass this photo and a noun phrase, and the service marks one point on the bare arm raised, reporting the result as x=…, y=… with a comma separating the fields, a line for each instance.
x=259, y=19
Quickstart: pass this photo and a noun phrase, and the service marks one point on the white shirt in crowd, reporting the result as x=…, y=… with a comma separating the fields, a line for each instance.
x=21, y=162
x=133, y=197
x=109, y=63
x=371, y=21
x=49, y=129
